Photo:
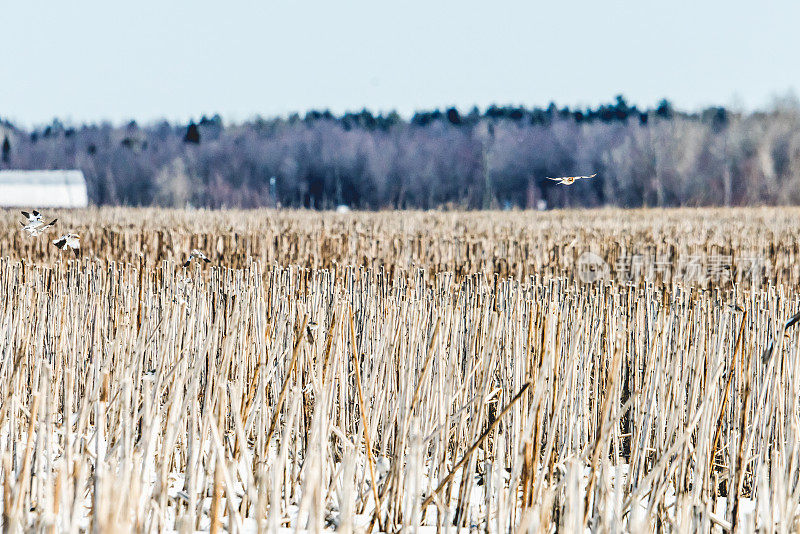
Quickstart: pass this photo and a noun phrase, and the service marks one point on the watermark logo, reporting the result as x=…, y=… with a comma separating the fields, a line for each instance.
x=591, y=267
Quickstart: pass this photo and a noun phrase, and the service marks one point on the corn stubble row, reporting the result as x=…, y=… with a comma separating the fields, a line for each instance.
x=507, y=244
x=398, y=363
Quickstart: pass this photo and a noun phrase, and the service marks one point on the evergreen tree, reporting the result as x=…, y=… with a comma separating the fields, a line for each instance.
x=6, y=149
x=192, y=134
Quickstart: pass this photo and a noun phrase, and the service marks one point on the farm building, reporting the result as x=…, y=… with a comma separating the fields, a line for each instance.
x=43, y=189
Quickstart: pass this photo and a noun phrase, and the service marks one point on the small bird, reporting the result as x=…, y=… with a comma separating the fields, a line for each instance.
x=196, y=254
x=569, y=180
x=793, y=320
x=34, y=224
x=32, y=217
x=72, y=241
x=36, y=228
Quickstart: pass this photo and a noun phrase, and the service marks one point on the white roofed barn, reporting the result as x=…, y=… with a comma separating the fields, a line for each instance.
x=43, y=189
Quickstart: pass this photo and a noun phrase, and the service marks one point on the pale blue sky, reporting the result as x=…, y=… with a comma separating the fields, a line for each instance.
x=93, y=60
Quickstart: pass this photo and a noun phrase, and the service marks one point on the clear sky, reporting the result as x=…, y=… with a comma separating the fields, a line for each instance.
x=96, y=60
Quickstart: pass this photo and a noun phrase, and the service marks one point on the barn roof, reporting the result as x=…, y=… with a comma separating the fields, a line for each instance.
x=43, y=189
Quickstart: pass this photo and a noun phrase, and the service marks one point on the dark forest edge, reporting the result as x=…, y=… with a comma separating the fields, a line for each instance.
x=498, y=158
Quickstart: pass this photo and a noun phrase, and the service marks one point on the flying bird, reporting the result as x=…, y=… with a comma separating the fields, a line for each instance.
x=72, y=241
x=569, y=180
x=196, y=254
x=793, y=320
x=34, y=224
x=36, y=228
x=33, y=217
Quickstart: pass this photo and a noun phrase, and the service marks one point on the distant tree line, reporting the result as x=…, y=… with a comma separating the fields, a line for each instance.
x=500, y=157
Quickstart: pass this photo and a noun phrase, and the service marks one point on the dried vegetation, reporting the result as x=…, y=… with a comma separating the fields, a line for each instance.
x=449, y=366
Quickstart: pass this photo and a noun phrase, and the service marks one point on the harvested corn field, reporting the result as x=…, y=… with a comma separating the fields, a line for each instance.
x=611, y=370
x=509, y=244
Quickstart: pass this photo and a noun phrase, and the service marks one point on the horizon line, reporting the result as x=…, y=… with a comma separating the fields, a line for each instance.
x=779, y=102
